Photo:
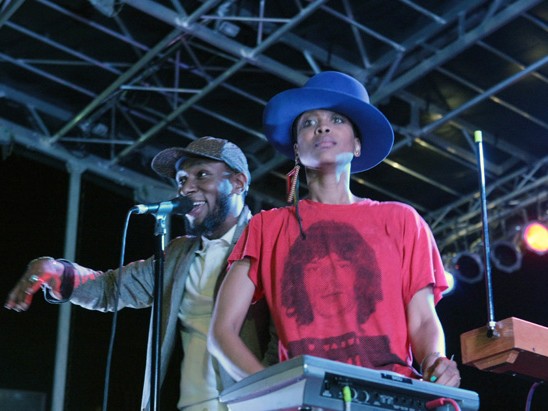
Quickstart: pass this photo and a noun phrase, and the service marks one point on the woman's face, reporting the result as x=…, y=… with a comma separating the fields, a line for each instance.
x=325, y=138
x=329, y=282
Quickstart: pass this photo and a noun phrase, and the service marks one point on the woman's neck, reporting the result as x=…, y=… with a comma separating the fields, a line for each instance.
x=329, y=188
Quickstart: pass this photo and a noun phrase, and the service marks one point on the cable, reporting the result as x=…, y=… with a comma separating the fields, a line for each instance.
x=347, y=397
x=438, y=402
x=530, y=395
x=115, y=315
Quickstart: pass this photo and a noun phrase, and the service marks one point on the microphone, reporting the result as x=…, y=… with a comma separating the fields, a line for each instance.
x=177, y=205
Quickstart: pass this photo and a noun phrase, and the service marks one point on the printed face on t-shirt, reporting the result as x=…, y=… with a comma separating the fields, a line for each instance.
x=329, y=283
x=331, y=272
x=330, y=287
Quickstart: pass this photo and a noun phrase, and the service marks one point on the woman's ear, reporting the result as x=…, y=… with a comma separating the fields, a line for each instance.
x=357, y=147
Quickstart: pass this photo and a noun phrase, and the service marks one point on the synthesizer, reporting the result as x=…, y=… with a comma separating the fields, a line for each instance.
x=308, y=383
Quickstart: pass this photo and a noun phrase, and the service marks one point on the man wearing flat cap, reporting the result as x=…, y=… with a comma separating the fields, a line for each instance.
x=212, y=173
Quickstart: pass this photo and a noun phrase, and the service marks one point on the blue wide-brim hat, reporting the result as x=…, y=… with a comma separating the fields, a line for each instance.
x=334, y=91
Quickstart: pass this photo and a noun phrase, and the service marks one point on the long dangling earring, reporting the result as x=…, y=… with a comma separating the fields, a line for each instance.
x=292, y=180
x=293, y=192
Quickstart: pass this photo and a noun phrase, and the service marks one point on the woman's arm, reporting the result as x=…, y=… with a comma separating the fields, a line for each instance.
x=224, y=342
x=428, y=340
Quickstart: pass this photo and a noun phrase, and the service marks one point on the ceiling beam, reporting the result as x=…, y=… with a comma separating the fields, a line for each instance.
x=463, y=42
x=155, y=190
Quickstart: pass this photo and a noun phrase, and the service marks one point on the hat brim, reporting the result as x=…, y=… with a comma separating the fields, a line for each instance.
x=377, y=135
x=164, y=162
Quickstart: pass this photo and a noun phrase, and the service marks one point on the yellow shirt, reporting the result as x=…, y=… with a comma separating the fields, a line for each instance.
x=198, y=391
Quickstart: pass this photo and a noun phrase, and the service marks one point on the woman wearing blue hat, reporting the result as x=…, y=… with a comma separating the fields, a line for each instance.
x=346, y=278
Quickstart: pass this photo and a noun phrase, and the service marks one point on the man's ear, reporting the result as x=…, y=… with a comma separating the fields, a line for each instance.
x=239, y=183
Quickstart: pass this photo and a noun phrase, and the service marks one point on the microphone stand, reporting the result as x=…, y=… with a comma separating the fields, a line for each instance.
x=159, y=257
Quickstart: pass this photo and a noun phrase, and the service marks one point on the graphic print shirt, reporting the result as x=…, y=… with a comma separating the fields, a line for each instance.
x=341, y=292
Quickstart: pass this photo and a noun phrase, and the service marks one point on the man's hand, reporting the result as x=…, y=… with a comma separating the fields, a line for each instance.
x=44, y=272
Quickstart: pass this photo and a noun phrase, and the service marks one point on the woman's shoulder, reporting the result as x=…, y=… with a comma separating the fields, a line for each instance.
x=272, y=215
x=388, y=205
x=275, y=212
x=391, y=208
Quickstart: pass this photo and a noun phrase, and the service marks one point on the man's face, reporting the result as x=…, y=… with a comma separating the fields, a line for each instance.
x=329, y=282
x=207, y=183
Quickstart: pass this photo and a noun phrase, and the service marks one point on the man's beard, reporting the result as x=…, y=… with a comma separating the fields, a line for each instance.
x=212, y=221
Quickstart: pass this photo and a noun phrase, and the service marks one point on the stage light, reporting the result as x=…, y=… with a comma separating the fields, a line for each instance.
x=467, y=267
x=535, y=237
x=506, y=256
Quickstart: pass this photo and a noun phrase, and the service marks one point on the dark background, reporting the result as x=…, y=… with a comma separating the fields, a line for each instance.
x=32, y=213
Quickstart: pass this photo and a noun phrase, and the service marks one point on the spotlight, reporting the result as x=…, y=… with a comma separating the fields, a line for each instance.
x=535, y=237
x=467, y=267
x=506, y=256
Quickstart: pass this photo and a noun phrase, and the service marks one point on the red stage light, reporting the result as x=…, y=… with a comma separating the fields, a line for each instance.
x=535, y=237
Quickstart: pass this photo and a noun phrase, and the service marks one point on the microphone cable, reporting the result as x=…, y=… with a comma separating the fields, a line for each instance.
x=115, y=314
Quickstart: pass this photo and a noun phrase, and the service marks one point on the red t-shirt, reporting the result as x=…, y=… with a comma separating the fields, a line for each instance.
x=341, y=293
